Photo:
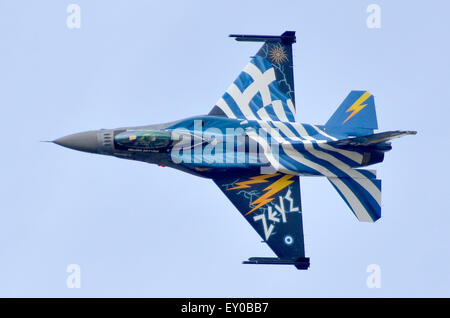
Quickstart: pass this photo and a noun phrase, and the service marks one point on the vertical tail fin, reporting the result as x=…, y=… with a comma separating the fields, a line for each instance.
x=356, y=115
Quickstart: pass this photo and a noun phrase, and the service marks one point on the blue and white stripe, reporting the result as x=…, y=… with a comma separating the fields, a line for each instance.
x=256, y=98
x=255, y=95
x=302, y=152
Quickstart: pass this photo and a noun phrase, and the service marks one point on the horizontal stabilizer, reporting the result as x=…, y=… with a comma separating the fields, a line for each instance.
x=300, y=263
x=372, y=139
x=362, y=195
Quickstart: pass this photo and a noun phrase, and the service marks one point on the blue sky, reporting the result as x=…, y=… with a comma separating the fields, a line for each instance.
x=138, y=230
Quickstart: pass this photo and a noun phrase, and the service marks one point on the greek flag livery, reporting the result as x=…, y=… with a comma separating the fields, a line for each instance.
x=251, y=146
x=264, y=90
x=255, y=95
x=263, y=95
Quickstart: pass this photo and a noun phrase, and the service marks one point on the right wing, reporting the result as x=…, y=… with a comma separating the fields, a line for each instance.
x=265, y=88
x=271, y=204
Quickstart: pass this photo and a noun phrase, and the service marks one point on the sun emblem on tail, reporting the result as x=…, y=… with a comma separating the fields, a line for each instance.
x=278, y=54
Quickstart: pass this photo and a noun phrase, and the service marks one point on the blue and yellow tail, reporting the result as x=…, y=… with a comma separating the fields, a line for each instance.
x=356, y=116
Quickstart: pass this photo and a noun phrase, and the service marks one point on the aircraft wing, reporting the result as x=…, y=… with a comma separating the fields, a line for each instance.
x=264, y=90
x=271, y=204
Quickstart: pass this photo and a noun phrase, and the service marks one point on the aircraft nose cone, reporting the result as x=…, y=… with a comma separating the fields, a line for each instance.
x=84, y=141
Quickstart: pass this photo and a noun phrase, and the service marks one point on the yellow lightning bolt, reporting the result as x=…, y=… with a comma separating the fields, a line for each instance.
x=272, y=189
x=356, y=107
x=253, y=180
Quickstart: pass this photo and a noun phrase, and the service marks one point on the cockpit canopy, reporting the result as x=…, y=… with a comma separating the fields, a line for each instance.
x=142, y=139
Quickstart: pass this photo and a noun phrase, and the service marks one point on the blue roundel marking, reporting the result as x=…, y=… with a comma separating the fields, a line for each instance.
x=288, y=240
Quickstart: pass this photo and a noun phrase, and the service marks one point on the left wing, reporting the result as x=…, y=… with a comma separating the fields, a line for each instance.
x=271, y=204
x=265, y=88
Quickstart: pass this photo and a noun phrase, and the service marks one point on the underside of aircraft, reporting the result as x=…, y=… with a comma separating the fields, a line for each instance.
x=253, y=149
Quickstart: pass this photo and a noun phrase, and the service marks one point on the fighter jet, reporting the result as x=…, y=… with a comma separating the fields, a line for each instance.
x=253, y=149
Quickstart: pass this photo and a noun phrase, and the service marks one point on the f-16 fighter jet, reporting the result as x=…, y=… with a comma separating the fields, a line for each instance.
x=250, y=145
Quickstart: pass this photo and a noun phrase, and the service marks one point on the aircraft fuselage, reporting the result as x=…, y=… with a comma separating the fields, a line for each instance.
x=207, y=145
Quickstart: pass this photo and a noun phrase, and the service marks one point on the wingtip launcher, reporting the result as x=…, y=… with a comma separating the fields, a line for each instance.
x=300, y=263
x=288, y=37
